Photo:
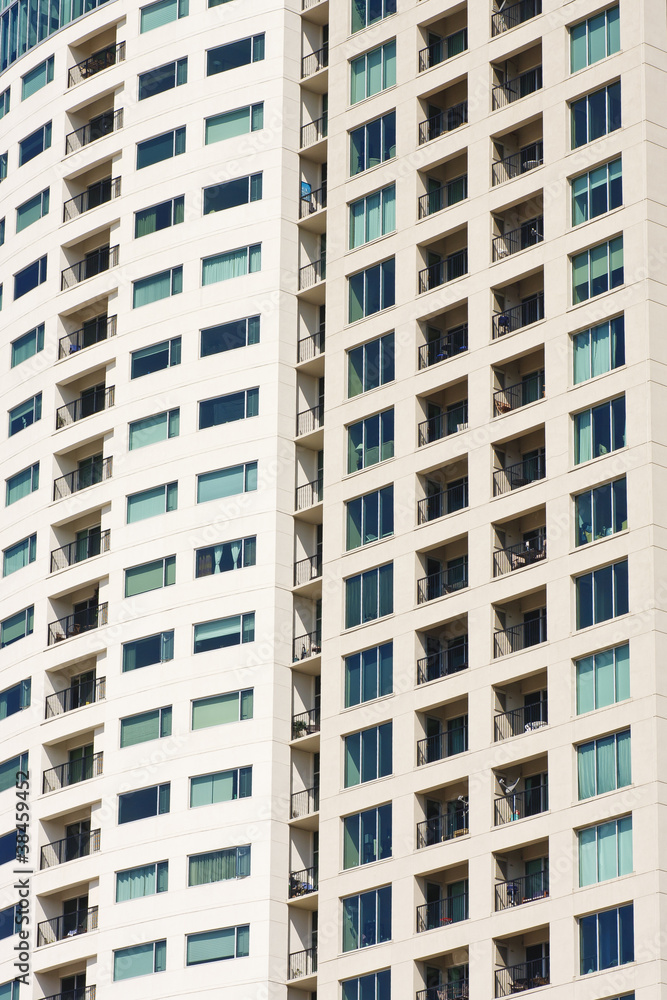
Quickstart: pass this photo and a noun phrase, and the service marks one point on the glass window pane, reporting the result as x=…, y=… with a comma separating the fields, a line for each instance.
x=587, y=857
x=578, y=51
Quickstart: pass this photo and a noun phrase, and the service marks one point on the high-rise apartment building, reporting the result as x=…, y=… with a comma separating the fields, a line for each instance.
x=352, y=692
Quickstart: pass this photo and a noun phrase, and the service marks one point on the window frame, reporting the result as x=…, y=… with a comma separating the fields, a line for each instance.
x=593, y=747
x=626, y=821
x=162, y=802
x=173, y=352
x=255, y=43
x=617, y=506
x=585, y=23
x=359, y=146
x=46, y=131
x=628, y=912
x=615, y=337
x=166, y=642
x=33, y=472
x=621, y=677
x=179, y=78
x=28, y=622
x=168, y=570
x=243, y=631
x=591, y=591
x=388, y=8
x=254, y=181
x=382, y=827
x=39, y=266
x=249, y=402
x=251, y=335
x=614, y=277
x=255, y=113
x=384, y=495
x=29, y=544
x=178, y=138
x=382, y=920
x=609, y=189
x=170, y=501
x=385, y=80
x=35, y=413
x=36, y=334
x=171, y=424
x=589, y=428
x=385, y=428
x=164, y=725
x=384, y=366
x=42, y=201
x=357, y=759
x=177, y=208
x=362, y=577
x=245, y=700
x=362, y=292
x=577, y=107
x=248, y=473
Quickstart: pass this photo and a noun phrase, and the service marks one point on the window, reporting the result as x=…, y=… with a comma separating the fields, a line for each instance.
x=19, y=555
x=368, y=674
x=370, y=365
x=140, y=960
x=602, y=594
x=234, y=54
x=368, y=755
x=231, y=264
x=32, y=210
x=150, y=430
x=28, y=345
x=166, y=77
x=9, y=770
x=226, y=409
x=226, y=556
x=17, y=626
x=367, y=836
x=223, y=786
x=605, y=851
x=8, y=847
x=37, y=78
x=604, y=764
x=221, y=709
x=5, y=100
x=133, y=883
x=371, y=290
x=367, y=919
x=369, y=595
x=606, y=939
x=229, y=336
x=34, y=144
x=370, y=441
x=22, y=484
x=14, y=699
x=156, y=287
x=25, y=414
x=599, y=349
x=162, y=216
x=373, y=143
x=8, y=922
x=596, y=114
x=373, y=216
x=597, y=192
x=30, y=277
x=594, y=39
x=215, y=946
x=231, y=194
x=224, y=632
x=219, y=866
x=150, y=503
x=150, y=576
x=597, y=270
x=156, y=357
x=145, y=726
x=151, y=649
x=599, y=430
x=231, y=124
x=160, y=147
x=372, y=72
x=162, y=12
x=3, y=166
x=145, y=802
x=601, y=512
x=370, y=517
x=375, y=986
x=2, y=231
x=227, y=482
x=603, y=678
x=365, y=12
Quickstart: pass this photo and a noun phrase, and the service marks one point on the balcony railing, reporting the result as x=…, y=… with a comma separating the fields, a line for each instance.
x=453, y=342
x=313, y=202
x=101, y=125
x=78, y=993
x=310, y=347
x=528, y=234
x=82, y=478
x=443, y=196
x=304, y=646
x=518, y=637
x=101, y=398
x=78, y=551
x=96, y=194
x=522, y=890
x=78, y=845
x=443, y=745
x=72, y=772
x=308, y=495
x=516, y=88
x=444, y=48
x=518, y=163
x=443, y=663
x=92, y=333
x=307, y=569
x=76, y=696
x=454, y=266
x=314, y=61
x=94, y=263
x=310, y=274
x=524, y=976
x=516, y=13
x=450, y=500
x=521, y=720
x=517, y=556
x=529, y=311
x=443, y=122
x=438, y=829
x=441, y=912
x=519, y=805
x=444, y=424
x=67, y=925
x=446, y=991
x=106, y=57
x=307, y=4
x=302, y=883
x=305, y=802
x=303, y=963
x=80, y=621
x=446, y=581
x=306, y=723
x=528, y=390
x=309, y=420
x=512, y=477
x=313, y=131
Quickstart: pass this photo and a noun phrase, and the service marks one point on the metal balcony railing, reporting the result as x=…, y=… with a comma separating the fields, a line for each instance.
x=96, y=194
x=453, y=342
x=303, y=963
x=79, y=845
x=80, y=621
x=310, y=274
x=305, y=802
x=94, y=263
x=450, y=422
x=443, y=122
x=441, y=912
x=446, y=991
x=528, y=234
x=304, y=646
x=443, y=49
x=529, y=311
x=521, y=720
x=454, y=266
x=447, y=581
x=307, y=4
x=528, y=390
x=518, y=637
x=307, y=569
x=450, y=500
x=524, y=976
x=72, y=772
x=443, y=745
x=313, y=131
x=313, y=202
x=106, y=57
x=516, y=13
x=302, y=883
x=92, y=333
x=310, y=347
x=516, y=88
x=442, y=663
x=309, y=420
x=522, y=890
x=518, y=163
x=76, y=696
x=82, y=478
x=67, y=925
x=512, y=477
x=443, y=196
x=519, y=805
x=306, y=723
x=314, y=61
x=104, y=124
x=517, y=556
x=308, y=495
x=79, y=550
x=78, y=993
x=101, y=398
x=438, y=829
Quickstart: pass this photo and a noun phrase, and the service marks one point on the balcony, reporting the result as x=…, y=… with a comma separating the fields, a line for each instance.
x=76, y=696
x=307, y=645
x=442, y=49
x=443, y=196
x=528, y=234
x=90, y=401
x=79, y=845
x=522, y=890
x=92, y=332
x=308, y=495
x=519, y=805
x=524, y=976
x=310, y=420
x=515, y=164
x=306, y=723
x=81, y=993
x=442, y=122
x=314, y=62
x=444, y=582
x=99, y=126
x=440, y=272
x=305, y=802
x=446, y=991
x=443, y=663
x=442, y=912
x=451, y=343
x=440, y=504
x=72, y=772
x=106, y=57
x=95, y=195
x=80, y=621
x=453, y=420
x=509, y=320
x=313, y=201
x=306, y=570
x=521, y=720
x=311, y=274
x=514, y=88
x=310, y=347
x=512, y=477
x=517, y=13
x=95, y=262
x=530, y=632
x=302, y=883
x=512, y=397
x=303, y=963
x=313, y=132
x=440, y=829
x=82, y=478
x=452, y=741
x=67, y=925
x=520, y=555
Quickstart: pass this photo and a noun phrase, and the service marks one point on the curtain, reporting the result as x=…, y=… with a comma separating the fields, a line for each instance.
x=597, y=42
x=624, y=772
x=214, y=866
x=148, y=503
x=622, y=658
x=578, y=47
x=219, y=484
x=369, y=595
x=351, y=831
x=580, y=291
x=358, y=79
x=373, y=216
x=582, y=357
x=624, y=833
x=582, y=437
x=211, y=946
x=606, y=851
x=152, y=289
x=586, y=770
x=223, y=266
x=352, y=601
x=131, y=962
x=141, y=579
x=604, y=678
x=15, y=627
x=605, y=764
x=602, y=512
x=18, y=486
x=17, y=556
x=215, y=711
x=370, y=754
x=140, y=728
x=252, y=402
x=373, y=71
x=135, y=882
x=371, y=517
x=588, y=856
x=8, y=771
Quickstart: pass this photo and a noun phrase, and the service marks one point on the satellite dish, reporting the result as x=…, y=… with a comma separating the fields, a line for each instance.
x=508, y=788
